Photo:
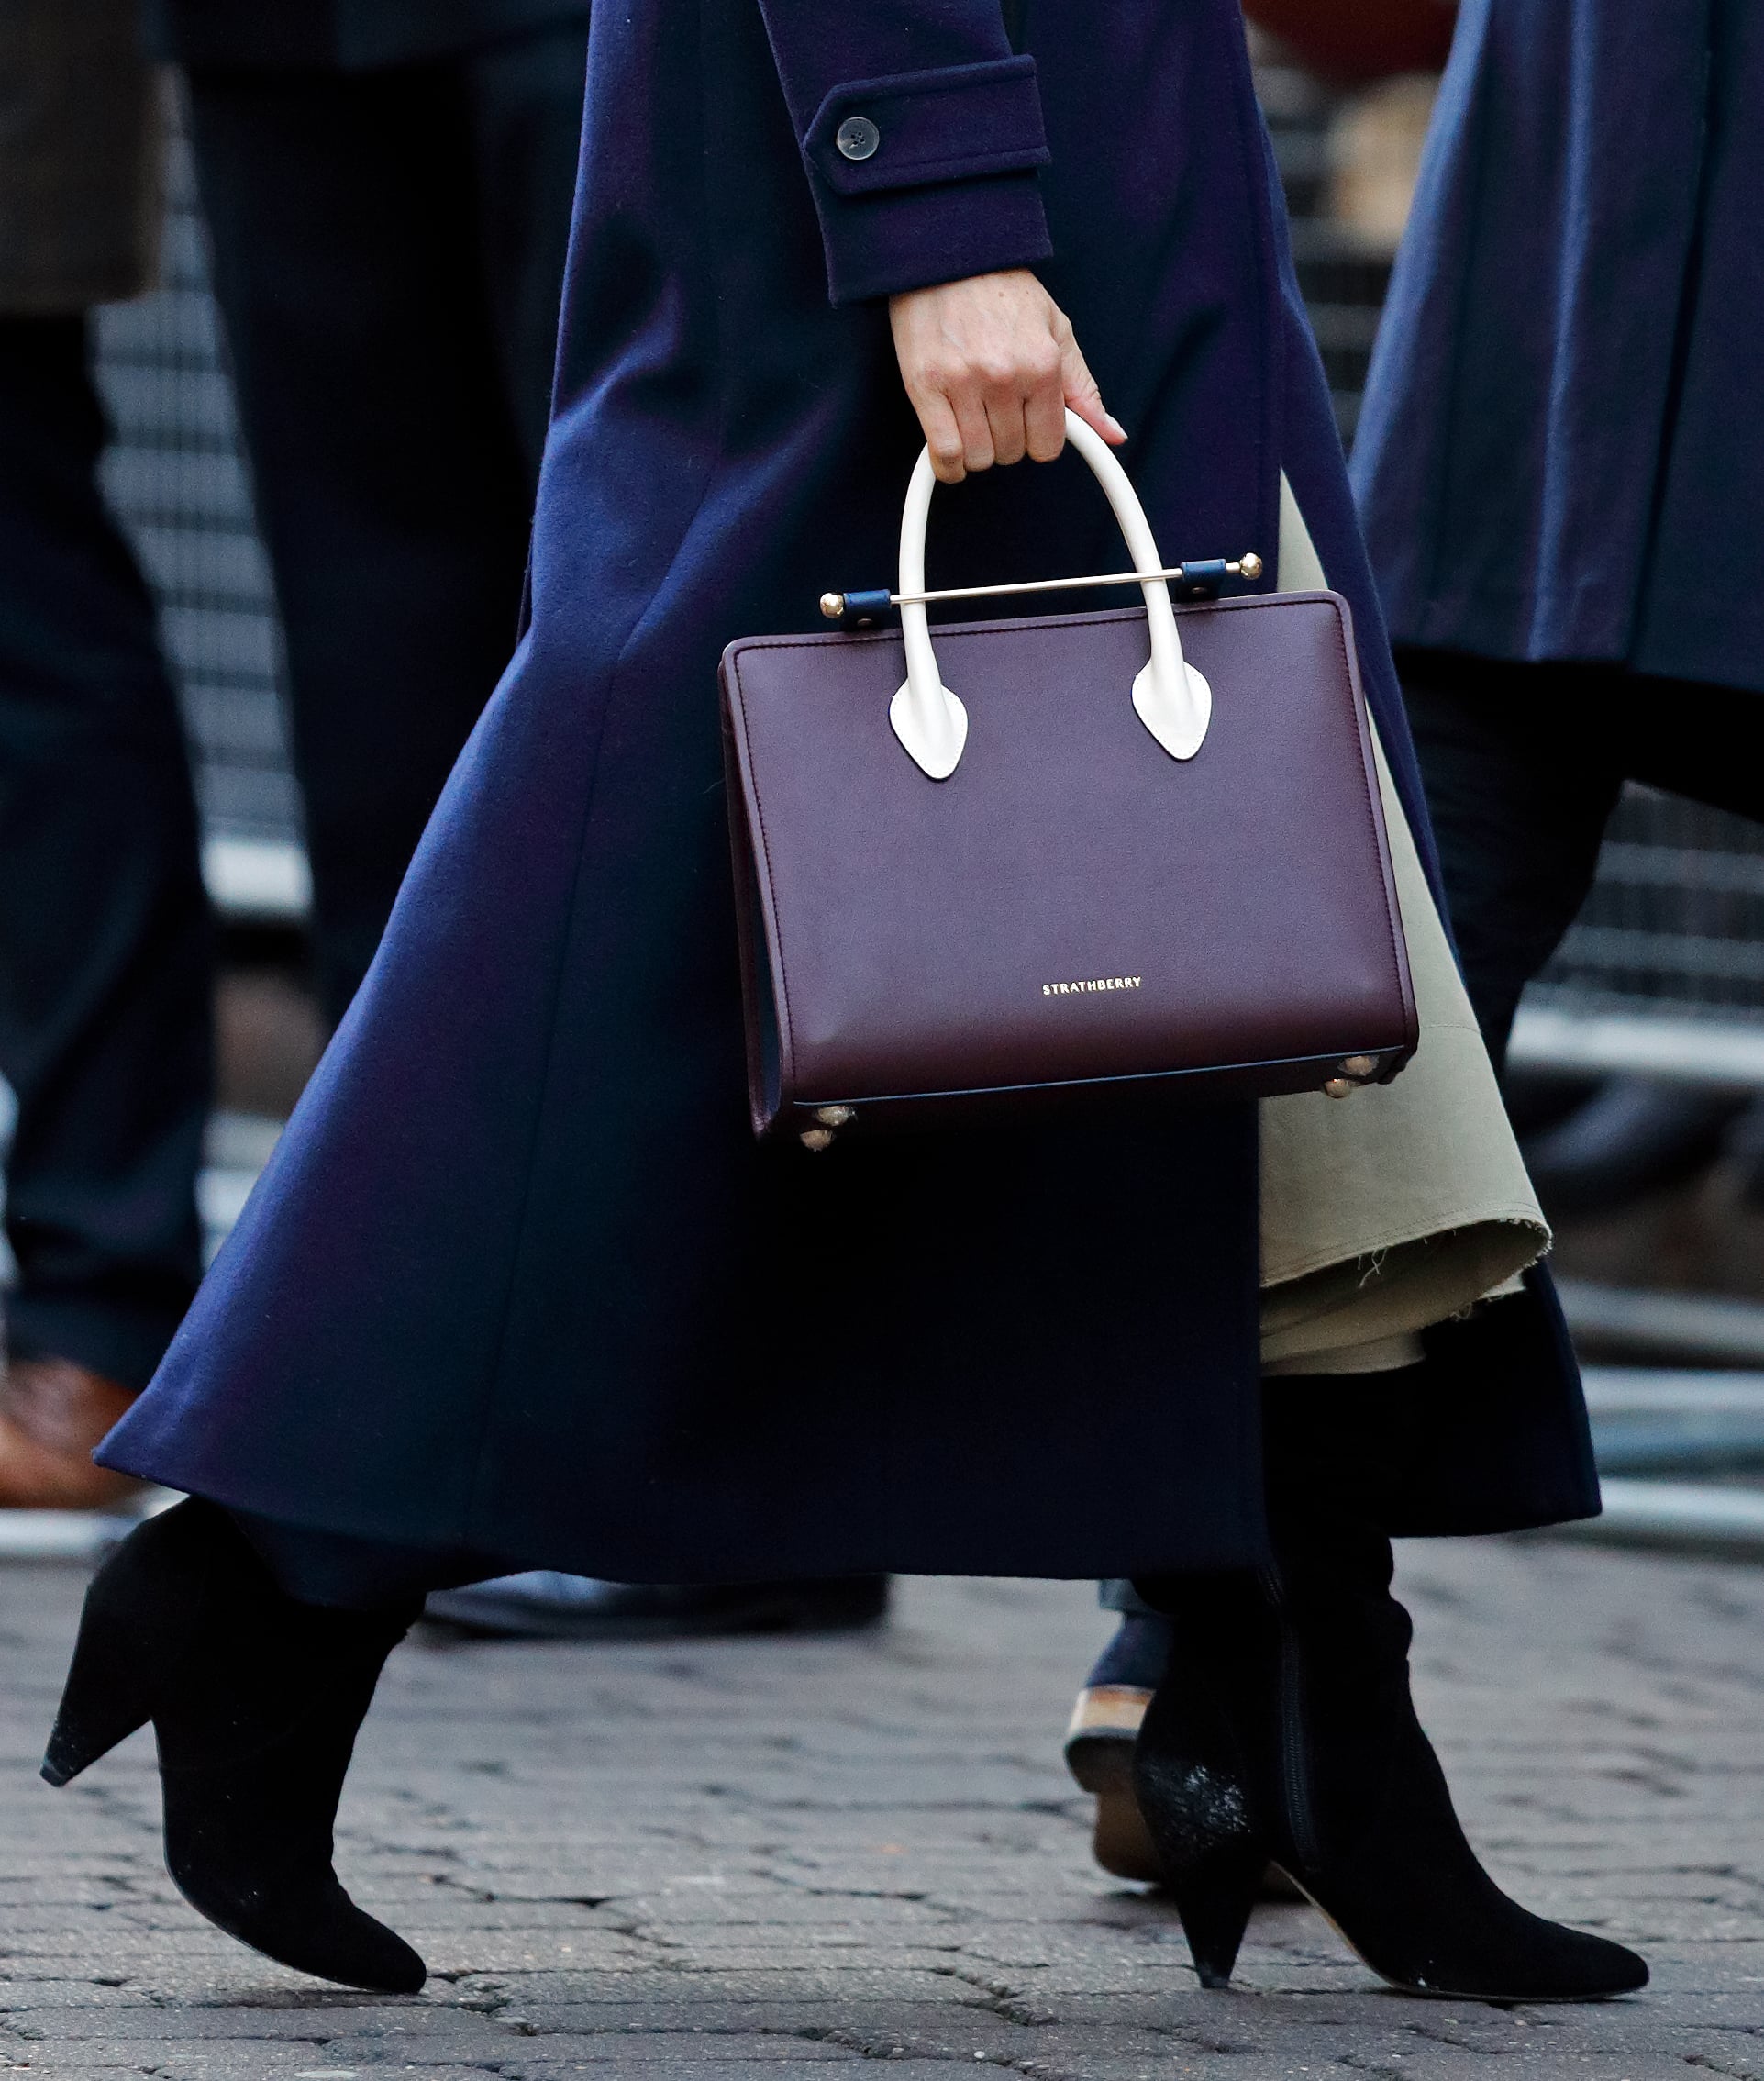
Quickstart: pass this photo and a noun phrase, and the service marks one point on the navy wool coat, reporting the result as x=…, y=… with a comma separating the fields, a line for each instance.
x=519, y=1282
x=1556, y=458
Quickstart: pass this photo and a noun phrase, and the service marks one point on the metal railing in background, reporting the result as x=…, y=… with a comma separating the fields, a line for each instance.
x=1680, y=1460
x=1663, y=971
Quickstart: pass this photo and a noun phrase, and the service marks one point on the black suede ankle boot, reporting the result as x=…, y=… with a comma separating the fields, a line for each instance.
x=255, y=1700
x=1286, y=1731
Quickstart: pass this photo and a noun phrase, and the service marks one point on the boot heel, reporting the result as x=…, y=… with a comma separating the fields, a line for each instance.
x=106, y=1699
x=1189, y=1778
x=1213, y=1897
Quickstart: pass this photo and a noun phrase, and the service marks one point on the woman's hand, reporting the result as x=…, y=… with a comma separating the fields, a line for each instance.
x=991, y=365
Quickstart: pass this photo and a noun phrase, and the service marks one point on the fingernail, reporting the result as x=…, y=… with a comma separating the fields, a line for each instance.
x=1115, y=425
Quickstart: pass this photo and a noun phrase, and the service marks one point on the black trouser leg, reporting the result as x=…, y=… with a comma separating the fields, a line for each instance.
x=1524, y=764
x=345, y=1573
x=105, y=949
x=1519, y=800
x=388, y=259
x=1706, y=742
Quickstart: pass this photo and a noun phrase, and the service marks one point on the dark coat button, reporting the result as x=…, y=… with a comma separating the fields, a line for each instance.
x=857, y=138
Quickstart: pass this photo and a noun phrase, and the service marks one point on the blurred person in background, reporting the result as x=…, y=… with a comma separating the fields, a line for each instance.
x=1560, y=490
x=387, y=185
x=1564, y=503
x=106, y=948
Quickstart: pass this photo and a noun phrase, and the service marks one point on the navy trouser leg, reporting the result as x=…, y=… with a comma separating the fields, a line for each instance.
x=105, y=946
x=389, y=253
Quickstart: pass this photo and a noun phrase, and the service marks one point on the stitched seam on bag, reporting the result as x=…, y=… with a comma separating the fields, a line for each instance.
x=1110, y=1078
x=759, y=813
x=1004, y=624
x=943, y=635
x=1373, y=820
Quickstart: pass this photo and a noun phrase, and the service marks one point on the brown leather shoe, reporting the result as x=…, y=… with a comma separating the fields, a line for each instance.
x=1099, y=1754
x=53, y=1413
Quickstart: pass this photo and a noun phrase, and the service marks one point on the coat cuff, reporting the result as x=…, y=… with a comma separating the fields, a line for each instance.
x=928, y=176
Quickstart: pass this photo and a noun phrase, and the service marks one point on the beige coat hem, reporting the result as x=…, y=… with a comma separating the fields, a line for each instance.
x=1407, y=1203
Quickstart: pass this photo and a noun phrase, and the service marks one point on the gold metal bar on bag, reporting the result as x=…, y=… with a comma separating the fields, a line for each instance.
x=1248, y=565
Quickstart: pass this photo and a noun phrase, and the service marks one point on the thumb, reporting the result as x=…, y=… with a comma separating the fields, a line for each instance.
x=1085, y=399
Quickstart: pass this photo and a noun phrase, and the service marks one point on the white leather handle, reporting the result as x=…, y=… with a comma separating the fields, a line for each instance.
x=1169, y=696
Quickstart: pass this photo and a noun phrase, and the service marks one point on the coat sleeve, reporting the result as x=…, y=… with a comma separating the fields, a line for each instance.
x=922, y=134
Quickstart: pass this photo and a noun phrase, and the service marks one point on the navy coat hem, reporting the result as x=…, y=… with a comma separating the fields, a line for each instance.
x=519, y=1282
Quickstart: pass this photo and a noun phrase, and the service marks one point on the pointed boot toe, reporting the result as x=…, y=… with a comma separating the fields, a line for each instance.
x=255, y=1700
x=1412, y=1898
x=1482, y=1946
x=396, y=1968
x=1611, y=1969
x=1576, y=1965
x=314, y=1928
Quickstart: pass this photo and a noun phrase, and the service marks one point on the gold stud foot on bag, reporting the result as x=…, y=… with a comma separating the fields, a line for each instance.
x=1357, y=1071
x=830, y=1119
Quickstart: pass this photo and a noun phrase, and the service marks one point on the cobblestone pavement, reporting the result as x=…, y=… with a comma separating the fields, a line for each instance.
x=714, y=1860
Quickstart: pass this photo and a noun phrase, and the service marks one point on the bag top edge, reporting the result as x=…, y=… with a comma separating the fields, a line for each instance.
x=1000, y=623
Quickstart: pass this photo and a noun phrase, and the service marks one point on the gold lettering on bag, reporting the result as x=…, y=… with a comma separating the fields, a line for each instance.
x=1092, y=982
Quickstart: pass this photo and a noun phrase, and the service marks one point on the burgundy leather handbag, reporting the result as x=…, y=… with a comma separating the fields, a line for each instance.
x=1138, y=856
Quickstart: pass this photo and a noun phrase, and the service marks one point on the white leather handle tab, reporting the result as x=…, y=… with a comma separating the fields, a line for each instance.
x=1169, y=696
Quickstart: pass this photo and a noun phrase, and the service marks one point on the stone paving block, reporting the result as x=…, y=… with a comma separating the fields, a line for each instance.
x=599, y=2057
x=1443, y=2063
x=726, y=1857
x=657, y=2052
x=191, y=2022
x=24, y=1996
x=263, y=2061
